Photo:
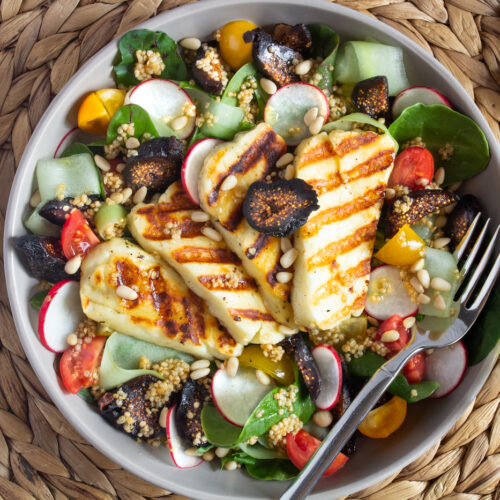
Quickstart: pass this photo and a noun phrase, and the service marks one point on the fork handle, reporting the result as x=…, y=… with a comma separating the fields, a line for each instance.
x=348, y=423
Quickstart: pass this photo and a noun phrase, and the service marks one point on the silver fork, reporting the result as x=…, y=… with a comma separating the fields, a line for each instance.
x=380, y=381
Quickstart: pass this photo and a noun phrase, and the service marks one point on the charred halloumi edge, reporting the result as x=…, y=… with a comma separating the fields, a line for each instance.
x=349, y=171
x=187, y=326
x=250, y=157
x=209, y=267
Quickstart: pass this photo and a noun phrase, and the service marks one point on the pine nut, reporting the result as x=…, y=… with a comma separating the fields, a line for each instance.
x=285, y=244
x=423, y=299
x=449, y=208
x=229, y=183
x=126, y=194
x=102, y=163
x=192, y=452
x=303, y=67
x=232, y=366
x=316, y=125
x=127, y=293
x=35, y=199
x=162, y=419
x=416, y=266
x=440, y=242
x=440, y=221
x=373, y=321
x=439, y=176
x=156, y=198
x=422, y=182
x=179, y=123
x=117, y=197
x=409, y=322
x=268, y=86
x=197, y=374
x=262, y=377
x=322, y=418
x=72, y=339
x=199, y=364
x=289, y=172
x=140, y=195
x=284, y=277
x=120, y=167
x=288, y=258
x=208, y=456
x=284, y=160
x=415, y=283
x=285, y=330
x=231, y=465
x=211, y=233
x=221, y=452
x=440, y=284
x=190, y=43
x=132, y=143
x=73, y=264
x=310, y=116
x=439, y=302
x=390, y=336
x=199, y=216
x=390, y=193
x=424, y=278
x=454, y=187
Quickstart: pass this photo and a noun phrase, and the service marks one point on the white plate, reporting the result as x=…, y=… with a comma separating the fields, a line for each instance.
x=376, y=459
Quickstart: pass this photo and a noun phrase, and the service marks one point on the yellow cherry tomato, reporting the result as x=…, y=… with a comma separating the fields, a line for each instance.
x=403, y=249
x=282, y=370
x=384, y=420
x=98, y=108
x=233, y=48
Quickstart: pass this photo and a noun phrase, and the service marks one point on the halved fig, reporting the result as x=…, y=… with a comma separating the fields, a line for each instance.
x=371, y=96
x=279, y=208
x=193, y=398
x=411, y=207
x=461, y=218
x=208, y=70
x=168, y=147
x=296, y=347
x=273, y=60
x=43, y=257
x=131, y=398
x=296, y=37
x=57, y=211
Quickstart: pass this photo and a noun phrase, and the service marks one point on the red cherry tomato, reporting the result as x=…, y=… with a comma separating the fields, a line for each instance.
x=414, y=370
x=410, y=166
x=395, y=322
x=78, y=368
x=76, y=237
x=300, y=448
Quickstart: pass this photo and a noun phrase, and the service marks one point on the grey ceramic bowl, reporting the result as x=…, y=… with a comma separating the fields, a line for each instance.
x=376, y=459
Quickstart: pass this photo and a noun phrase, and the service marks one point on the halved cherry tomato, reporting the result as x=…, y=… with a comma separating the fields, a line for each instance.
x=300, y=448
x=414, y=370
x=411, y=165
x=395, y=322
x=403, y=249
x=98, y=108
x=234, y=50
x=282, y=370
x=78, y=368
x=381, y=422
x=76, y=237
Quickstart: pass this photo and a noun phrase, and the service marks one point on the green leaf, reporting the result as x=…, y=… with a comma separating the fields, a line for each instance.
x=217, y=429
x=86, y=395
x=485, y=334
x=37, y=299
x=203, y=449
x=438, y=126
x=259, y=452
x=325, y=44
x=273, y=470
x=131, y=113
x=157, y=41
x=366, y=365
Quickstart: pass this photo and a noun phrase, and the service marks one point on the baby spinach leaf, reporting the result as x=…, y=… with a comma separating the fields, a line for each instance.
x=238, y=456
x=86, y=395
x=439, y=126
x=259, y=452
x=366, y=365
x=37, y=299
x=217, y=429
x=157, y=41
x=325, y=43
x=203, y=449
x=131, y=113
x=273, y=470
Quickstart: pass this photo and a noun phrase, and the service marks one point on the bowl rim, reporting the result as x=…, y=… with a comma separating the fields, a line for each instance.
x=21, y=320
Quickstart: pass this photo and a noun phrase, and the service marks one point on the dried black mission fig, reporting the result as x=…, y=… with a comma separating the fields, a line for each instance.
x=461, y=218
x=162, y=146
x=208, y=70
x=57, y=211
x=273, y=60
x=279, y=208
x=371, y=96
x=295, y=37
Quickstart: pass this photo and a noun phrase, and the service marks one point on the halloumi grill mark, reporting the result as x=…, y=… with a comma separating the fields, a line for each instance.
x=165, y=312
x=207, y=266
x=349, y=171
x=251, y=157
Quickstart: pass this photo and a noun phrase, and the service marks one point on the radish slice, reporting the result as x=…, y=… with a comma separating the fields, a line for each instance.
x=176, y=445
x=387, y=294
x=164, y=101
x=237, y=397
x=329, y=366
x=447, y=366
x=413, y=95
x=193, y=163
x=285, y=110
x=60, y=314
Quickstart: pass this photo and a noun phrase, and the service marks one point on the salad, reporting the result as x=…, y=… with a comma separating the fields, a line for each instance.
x=240, y=233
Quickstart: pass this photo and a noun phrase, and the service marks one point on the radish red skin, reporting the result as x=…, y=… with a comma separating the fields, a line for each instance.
x=336, y=365
x=413, y=95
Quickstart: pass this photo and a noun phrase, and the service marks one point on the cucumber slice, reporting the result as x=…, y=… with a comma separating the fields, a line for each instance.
x=107, y=217
x=39, y=225
x=361, y=60
x=67, y=177
x=259, y=452
x=438, y=325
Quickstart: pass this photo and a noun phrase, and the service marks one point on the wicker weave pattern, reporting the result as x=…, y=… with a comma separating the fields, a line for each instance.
x=42, y=43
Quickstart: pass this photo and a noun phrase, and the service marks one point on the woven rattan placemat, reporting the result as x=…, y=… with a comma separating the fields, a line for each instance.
x=42, y=43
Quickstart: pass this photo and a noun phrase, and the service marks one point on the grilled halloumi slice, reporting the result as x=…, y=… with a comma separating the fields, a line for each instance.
x=250, y=157
x=208, y=267
x=349, y=171
x=165, y=313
